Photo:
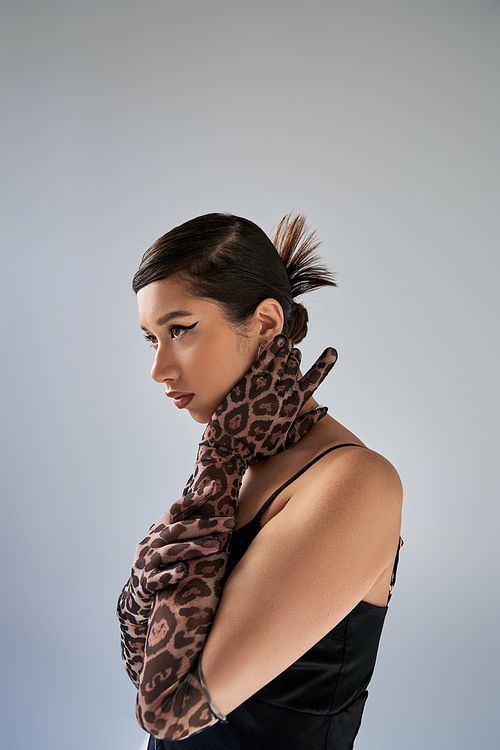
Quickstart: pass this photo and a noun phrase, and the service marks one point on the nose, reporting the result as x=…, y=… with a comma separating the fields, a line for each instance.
x=164, y=367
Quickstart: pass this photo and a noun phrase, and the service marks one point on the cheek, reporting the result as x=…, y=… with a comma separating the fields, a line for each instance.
x=229, y=362
x=220, y=367
x=237, y=359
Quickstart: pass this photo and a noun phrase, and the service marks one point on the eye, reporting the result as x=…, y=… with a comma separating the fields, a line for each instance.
x=177, y=331
x=150, y=338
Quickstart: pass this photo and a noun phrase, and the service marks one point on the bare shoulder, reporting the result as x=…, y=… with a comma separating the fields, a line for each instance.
x=352, y=498
x=352, y=474
x=360, y=467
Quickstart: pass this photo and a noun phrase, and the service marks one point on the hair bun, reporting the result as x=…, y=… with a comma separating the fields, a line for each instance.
x=297, y=328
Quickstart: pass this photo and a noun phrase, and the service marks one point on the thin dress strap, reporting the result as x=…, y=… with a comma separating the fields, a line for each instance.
x=275, y=494
x=395, y=570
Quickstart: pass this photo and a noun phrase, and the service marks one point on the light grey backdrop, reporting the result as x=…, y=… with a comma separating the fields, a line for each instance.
x=380, y=120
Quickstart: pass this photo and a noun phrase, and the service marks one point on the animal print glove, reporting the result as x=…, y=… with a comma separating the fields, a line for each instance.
x=258, y=418
x=160, y=561
x=254, y=421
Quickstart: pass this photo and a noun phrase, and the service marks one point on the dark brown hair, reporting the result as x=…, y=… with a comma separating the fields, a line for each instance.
x=232, y=261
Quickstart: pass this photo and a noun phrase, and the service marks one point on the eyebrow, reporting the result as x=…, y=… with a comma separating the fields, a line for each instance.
x=168, y=316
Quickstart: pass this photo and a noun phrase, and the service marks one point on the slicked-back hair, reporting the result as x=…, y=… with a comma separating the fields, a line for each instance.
x=230, y=260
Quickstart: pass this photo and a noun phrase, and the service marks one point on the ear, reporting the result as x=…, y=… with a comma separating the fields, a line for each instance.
x=269, y=319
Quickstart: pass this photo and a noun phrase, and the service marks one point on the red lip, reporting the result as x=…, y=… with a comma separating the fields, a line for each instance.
x=181, y=400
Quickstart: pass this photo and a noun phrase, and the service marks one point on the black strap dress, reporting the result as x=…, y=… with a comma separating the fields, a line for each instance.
x=315, y=704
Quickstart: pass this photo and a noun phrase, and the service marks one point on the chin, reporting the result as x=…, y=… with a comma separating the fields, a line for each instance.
x=200, y=418
x=203, y=413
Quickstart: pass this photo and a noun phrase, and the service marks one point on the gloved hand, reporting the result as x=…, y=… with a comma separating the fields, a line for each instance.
x=258, y=418
x=160, y=561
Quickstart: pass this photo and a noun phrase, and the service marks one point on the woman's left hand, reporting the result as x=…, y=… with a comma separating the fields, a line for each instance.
x=256, y=416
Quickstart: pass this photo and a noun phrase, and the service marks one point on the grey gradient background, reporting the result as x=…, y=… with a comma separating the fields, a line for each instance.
x=380, y=121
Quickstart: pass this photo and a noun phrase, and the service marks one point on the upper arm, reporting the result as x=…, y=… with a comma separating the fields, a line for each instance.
x=304, y=572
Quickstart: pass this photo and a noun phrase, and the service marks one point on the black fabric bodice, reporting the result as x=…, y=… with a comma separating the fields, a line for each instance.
x=316, y=703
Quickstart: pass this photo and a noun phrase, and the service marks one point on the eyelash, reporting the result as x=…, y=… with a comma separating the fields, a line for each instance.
x=152, y=339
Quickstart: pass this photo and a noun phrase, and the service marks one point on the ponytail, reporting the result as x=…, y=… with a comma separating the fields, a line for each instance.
x=297, y=245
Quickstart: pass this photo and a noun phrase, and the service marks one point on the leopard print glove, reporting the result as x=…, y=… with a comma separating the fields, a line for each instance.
x=258, y=418
x=160, y=562
x=254, y=421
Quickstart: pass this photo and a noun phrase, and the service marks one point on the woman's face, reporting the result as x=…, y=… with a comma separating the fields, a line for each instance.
x=199, y=355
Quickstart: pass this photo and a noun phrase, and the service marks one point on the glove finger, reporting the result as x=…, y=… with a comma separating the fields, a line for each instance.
x=191, y=500
x=273, y=353
x=292, y=366
x=160, y=579
x=160, y=524
x=303, y=424
x=193, y=528
x=170, y=553
x=318, y=372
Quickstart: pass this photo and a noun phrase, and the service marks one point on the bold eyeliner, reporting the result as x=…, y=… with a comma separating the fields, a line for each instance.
x=180, y=328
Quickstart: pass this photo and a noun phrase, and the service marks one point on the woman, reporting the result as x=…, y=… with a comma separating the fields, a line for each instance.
x=255, y=605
